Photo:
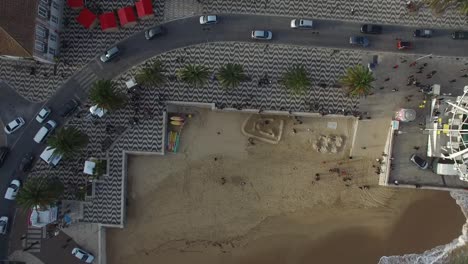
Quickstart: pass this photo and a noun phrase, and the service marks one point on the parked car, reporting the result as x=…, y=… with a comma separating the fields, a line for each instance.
x=359, y=40
x=401, y=45
x=422, y=33
x=26, y=162
x=3, y=154
x=14, y=125
x=460, y=35
x=208, y=19
x=153, y=32
x=43, y=114
x=371, y=29
x=420, y=162
x=83, y=255
x=302, y=23
x=110, y=54
x=68, y=108
x=12, y=190
x=44, y=131
x=262, y=34
x=3, y=225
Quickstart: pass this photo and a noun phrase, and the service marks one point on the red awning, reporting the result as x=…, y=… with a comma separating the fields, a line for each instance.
x=108, y=21
x=126, y=15
x=144, y=8
x=86, y=18
x=75, y=3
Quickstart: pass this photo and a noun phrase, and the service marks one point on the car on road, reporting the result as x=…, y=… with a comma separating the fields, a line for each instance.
x=3, y=154
x=83, y=255
x=44, y=131
x=420, y=162
x=208, y=19
x=422, y=33
x=371, y=29
x=12, y=190
x=3, y=225
x=460, y=35
x=26, y=162
x=262, y=34
x=359, y=40
x=68, y=108
x=110, y=54
x=43, y=114
x=155, y=31
x=402, y=45
x=302, y=23
x=14, y=125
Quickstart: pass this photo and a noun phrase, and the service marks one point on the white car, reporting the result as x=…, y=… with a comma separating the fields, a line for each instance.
x=208, y=20
x=14, y=125
x=44, y=131
x=43, y=114
x=3, y=225
x=12, y=190
x=83, y=255
x=302, y=23
x=262, y=34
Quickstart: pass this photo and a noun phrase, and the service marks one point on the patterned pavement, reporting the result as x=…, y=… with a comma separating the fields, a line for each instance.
x=323, y=67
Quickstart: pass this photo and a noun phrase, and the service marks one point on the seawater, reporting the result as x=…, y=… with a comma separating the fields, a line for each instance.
x=439, y=254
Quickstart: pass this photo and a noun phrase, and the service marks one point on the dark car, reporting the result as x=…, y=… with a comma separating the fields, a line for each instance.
x=359, y=40
x=460, y=35
x=68, y=108
x=371, y=29
x=26, y=162
x=153, y=32
x=422, y=33
x=420, y=162
x=401, y=45
x=3, y=154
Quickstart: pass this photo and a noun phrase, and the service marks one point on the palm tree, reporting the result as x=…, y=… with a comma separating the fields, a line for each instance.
x=152, y=74
x=67, y=141
x=357, y=81
x=195, y=75
x=463, y=7
x=439, y=6
x=104, y=94
x=39, y=192
x=231, y=75
x=295, y=80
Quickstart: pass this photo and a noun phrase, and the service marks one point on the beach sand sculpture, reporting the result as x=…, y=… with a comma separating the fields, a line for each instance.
x=265, y=128
x=329, y=144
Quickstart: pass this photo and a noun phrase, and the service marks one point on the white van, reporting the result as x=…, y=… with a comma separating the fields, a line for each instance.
x=49, y=157
x=44, y=131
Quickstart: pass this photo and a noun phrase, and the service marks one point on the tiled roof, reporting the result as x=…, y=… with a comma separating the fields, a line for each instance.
x=17, y=18
x=9, y=46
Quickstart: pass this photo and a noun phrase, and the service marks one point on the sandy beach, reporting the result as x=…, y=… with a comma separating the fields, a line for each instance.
x=223, y=200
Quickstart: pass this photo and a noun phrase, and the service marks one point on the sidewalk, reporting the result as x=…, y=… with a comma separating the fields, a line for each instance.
x=23, y=256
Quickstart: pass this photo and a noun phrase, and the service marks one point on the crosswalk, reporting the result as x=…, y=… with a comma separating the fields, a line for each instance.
x=86, y=78
x=33, y=239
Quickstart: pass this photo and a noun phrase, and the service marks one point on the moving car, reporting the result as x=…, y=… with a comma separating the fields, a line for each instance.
x=359, y=40
x=422, y=33
x=44, y=131
x=3, y=154
x=110, y=54
x=420, y=162
x=401, y=45
x=3, y=225
x=14, y=125
x=371, y=29
x=460, y=35
x=262, y=34
x=26, y=162
x=43, y=114
x=208, y=19
x=302, y=23
x=83, y=255
x=153, y=32
x=68, y=108
x=12, y=190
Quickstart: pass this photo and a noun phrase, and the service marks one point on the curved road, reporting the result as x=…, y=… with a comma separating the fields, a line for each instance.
x=186, y=32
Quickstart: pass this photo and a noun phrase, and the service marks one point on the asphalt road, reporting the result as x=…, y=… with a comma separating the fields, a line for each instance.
x=186, y=32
